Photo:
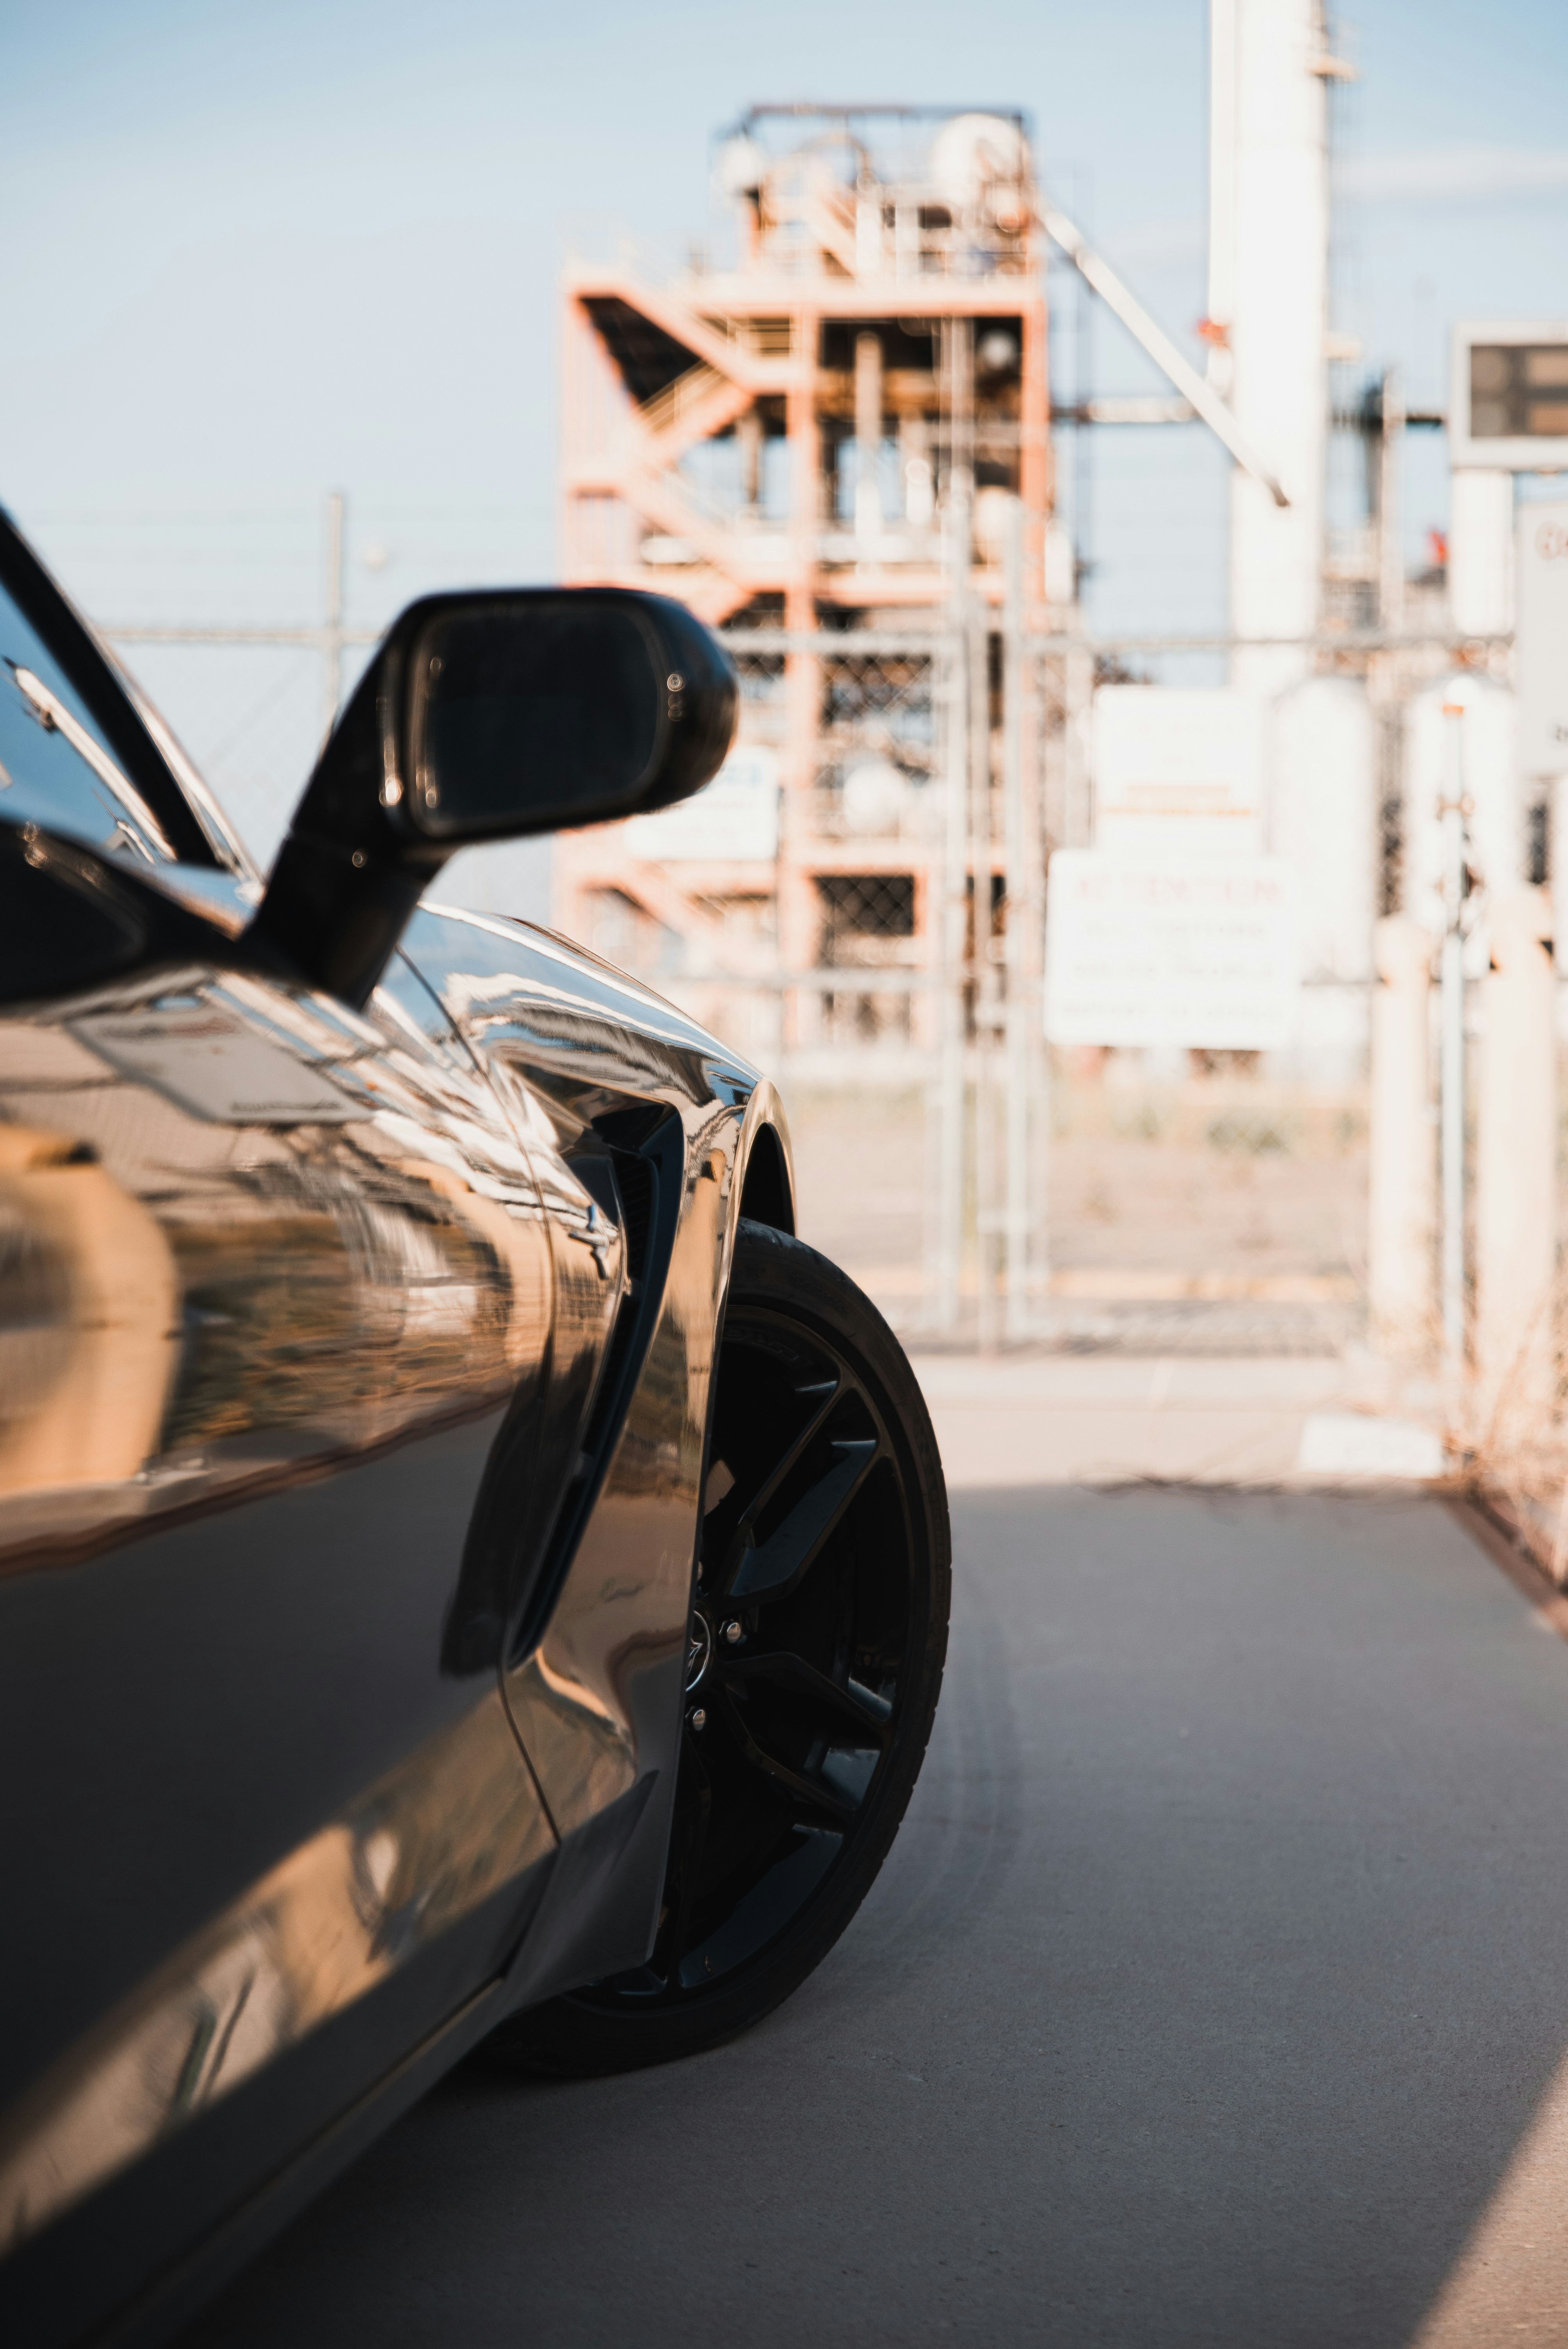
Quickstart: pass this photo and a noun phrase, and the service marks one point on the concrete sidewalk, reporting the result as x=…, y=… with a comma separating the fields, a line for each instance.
x=1064, y=1419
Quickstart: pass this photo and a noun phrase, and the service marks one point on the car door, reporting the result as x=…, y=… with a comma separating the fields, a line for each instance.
x=275, y=1325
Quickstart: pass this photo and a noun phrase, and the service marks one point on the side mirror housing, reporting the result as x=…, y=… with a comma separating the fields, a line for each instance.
x=488, y=716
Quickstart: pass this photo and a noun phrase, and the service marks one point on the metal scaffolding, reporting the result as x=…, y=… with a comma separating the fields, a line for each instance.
x=839, y=451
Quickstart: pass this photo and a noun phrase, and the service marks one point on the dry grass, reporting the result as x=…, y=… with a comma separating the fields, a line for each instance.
x=1507, y=1436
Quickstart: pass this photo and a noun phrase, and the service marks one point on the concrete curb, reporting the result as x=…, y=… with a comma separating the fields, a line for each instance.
x=1245, y=1421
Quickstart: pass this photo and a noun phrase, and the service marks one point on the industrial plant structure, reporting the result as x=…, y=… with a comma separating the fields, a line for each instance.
x=820, y=449
x=839, y=451
x=956, y=820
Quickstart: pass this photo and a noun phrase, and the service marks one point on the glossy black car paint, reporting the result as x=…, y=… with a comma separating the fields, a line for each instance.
x=354, y=1370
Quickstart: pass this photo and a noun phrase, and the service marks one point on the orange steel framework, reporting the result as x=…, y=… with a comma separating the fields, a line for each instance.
x=826, y=438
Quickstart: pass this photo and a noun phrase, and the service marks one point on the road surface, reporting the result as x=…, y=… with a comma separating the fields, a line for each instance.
x=1214, y=1993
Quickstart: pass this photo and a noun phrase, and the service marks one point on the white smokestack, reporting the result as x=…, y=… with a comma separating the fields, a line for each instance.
x=1268, y=300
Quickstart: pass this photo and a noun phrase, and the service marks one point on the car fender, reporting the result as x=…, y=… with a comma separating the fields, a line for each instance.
x=594, y=1684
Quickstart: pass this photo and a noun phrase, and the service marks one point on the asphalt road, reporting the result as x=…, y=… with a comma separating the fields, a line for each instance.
x=1211, y=1987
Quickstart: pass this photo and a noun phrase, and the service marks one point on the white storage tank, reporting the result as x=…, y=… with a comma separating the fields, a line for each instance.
x=1322, y=819
x=980, y=162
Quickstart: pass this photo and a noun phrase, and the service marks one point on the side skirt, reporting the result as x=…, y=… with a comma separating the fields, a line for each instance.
x=181, y=2290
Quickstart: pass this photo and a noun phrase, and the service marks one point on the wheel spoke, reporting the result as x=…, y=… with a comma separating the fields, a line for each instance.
x=815, y=1797
x=837, y=1710
x=768, y=1570
x=826, y=1393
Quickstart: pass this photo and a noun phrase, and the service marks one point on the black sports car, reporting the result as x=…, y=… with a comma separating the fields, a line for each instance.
x=467, y=1572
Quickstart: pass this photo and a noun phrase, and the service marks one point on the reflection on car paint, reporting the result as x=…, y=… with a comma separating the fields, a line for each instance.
x=250, y=1237
x=328, y=1275
x=597, y=1703
x=618, y=1629
x=209, y=1061
x=256, y=1237
x=88, y=1348
x=448, y=1829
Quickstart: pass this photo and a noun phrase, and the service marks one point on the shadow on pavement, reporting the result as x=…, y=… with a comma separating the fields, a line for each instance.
x=1215, y=1978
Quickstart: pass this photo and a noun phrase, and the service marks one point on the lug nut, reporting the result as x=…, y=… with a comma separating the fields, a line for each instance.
x=698, y=1717
x=734, y=1633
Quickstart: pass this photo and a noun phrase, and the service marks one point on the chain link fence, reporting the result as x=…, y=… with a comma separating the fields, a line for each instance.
x=884, y=960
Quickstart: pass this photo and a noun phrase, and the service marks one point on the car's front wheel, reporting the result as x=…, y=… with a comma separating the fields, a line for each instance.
x=818, y=1633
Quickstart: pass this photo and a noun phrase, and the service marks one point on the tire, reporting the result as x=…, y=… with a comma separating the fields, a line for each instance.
x=819, y=1631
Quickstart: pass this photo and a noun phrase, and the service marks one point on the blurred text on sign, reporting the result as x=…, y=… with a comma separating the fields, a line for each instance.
x=1184, y=951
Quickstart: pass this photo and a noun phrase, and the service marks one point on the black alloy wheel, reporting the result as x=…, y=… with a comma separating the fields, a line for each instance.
x=818, y=1633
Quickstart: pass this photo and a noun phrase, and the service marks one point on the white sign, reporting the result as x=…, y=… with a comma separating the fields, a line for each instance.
x=735, y=817
x=1193, y=951
x=1508, y=395
x=211, y=1064
x=1176, y=768
x=1542, y=638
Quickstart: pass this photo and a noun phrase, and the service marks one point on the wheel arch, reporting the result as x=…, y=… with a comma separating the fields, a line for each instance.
x=768, y=1173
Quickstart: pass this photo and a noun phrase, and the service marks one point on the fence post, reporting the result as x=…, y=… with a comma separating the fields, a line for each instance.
x=1516, y=1170
x=1452, y=810
x=988, y=1012
x=1024, y=1105
x=1402, y=1188
x=945, y=1258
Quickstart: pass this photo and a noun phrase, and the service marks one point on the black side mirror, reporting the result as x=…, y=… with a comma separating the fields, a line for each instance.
x=488, y=716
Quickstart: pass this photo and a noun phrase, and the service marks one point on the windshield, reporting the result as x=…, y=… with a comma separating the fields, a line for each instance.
x=80, y=753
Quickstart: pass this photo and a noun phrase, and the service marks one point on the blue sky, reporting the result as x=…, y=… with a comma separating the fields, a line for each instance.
x=256, y=253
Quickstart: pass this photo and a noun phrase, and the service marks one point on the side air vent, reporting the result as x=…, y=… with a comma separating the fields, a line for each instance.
x=635, y=1181
x=649, y=1183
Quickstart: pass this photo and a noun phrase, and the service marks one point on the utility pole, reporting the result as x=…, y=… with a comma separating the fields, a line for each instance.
x=332, y=631
x=1387, y=459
